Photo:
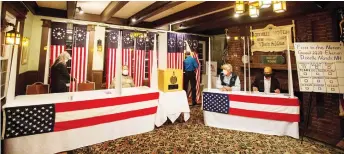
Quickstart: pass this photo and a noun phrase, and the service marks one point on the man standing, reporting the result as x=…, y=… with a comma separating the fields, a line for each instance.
x=190, y=65
x=267, y=84
x=227, y=80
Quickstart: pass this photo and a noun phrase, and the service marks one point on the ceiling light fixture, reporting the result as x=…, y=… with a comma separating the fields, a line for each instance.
x=254, y=11
x=265, y=3
x=279, y=6
x=80, y=10
x=133, y=20
x=239, y=6
x=236, y=15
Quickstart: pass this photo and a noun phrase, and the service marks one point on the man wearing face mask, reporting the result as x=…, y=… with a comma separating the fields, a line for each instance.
x=266, y=83
x=227, y=80
x=127, y=81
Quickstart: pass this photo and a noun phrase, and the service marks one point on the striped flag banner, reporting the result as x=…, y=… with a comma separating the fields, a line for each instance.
x=198, y=79
x=270, y=108
x=55, y=51
x=139, y=67
x=78, y=70
x=175, y=60
x=127, y=60
x=110, y=66
x=38, y=119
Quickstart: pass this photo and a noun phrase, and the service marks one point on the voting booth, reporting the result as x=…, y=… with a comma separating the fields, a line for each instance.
x=170, y=80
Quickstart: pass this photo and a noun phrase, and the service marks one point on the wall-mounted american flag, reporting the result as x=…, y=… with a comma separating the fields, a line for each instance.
x=112, y=47
x=127, y=50
x=49, y=118
x=175, y=50
x=58, y=40
x=271, y=108
x=79, y=56
x=139, y=61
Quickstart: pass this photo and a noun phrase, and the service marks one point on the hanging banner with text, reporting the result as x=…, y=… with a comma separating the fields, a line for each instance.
x=320, y=66
x=272, y=38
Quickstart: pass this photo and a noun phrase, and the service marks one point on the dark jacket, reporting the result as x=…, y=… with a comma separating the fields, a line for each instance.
x=231, y=82
x=59, y=78
x=259, y=83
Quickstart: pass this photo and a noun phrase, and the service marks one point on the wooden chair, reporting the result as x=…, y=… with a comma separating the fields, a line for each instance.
x=86, y=86
x=37, y=88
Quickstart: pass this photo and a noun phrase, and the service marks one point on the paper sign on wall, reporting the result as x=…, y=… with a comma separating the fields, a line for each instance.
x=272, y=38
x=213, y=65
x=320, y=66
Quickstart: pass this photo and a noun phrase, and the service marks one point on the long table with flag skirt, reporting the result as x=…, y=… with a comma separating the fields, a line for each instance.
x=272, y=114
x=51, y=123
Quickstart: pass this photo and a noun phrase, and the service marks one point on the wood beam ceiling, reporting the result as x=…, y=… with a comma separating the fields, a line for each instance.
x=31, y=6
x=112, y=9
x=98, y=18
x=71, y=6
x=200, y=10
x=154, y=9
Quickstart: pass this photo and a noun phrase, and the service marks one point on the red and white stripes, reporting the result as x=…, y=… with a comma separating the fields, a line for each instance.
x=55, y=51
x=139, y=67
x=78, y=68
x=175, y=60
x=127, y=59
x=110, y=66
x=198, y=78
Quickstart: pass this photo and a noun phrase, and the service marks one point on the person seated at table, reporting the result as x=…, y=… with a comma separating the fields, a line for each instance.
x=227, y=80
x=266, y=83
x=59, y=73
x=127, y=81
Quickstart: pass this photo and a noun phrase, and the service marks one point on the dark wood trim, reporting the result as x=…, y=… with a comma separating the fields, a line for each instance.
x=24, y=79
x=97, y=18
x=200, y=9
x=43, y=53
x=90, y=29
x=154, y=9
x=71, y=6
x=43, y=11
x=31, y=5
x=112, y=9
x=97, y=78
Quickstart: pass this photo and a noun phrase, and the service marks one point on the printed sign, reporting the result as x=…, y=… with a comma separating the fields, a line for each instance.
x=320, y=66
x=272, y=38
x=272, y=59
x=213, y=66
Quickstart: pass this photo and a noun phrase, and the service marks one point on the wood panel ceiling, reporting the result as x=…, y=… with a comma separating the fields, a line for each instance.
x=206, y=17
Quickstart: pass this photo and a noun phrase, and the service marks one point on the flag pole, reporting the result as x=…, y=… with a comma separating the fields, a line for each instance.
x=244, y=61
x=209, y=65
x=249, y=63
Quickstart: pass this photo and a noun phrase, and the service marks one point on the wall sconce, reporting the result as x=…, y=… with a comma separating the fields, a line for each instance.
x=236, y=38
x=12, y=38
x=25, y=42
x=279, y=6
x=265, y=3
x=254, y=11
x=99, y=45
x=239, y=6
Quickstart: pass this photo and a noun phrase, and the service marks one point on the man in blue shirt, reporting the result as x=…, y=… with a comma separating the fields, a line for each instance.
x=190, y=65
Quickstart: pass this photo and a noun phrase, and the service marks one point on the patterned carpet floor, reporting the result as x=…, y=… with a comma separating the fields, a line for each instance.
x=194, y=137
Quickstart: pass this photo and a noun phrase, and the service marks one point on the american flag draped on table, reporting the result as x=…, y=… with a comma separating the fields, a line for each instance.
x=79, y=56
x=112, y=47
x=127, y=47
x=175, y=50
x=192, y=41
x=58, y=40
x=139, y=60
x=38, y=119
x=270, y=108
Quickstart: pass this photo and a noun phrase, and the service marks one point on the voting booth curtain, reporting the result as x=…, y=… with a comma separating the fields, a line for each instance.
x=134, y=54
x=58, y=41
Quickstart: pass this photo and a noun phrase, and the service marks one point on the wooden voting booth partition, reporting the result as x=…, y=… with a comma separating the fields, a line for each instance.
x=320, y=68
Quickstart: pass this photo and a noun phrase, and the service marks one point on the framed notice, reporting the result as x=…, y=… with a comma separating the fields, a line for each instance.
x=320, y=66
x=213, y=66
x=272, y=38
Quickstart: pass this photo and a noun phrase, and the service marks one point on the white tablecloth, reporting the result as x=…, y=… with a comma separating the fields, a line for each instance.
x=171, y=105
x=54, y=142
x=263, y=126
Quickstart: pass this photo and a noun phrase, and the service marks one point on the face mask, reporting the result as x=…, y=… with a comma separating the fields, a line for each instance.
x=267, y=75
x=225, y=72
x=125, y=72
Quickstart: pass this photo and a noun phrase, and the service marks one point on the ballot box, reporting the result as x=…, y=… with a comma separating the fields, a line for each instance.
x=170, y=80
